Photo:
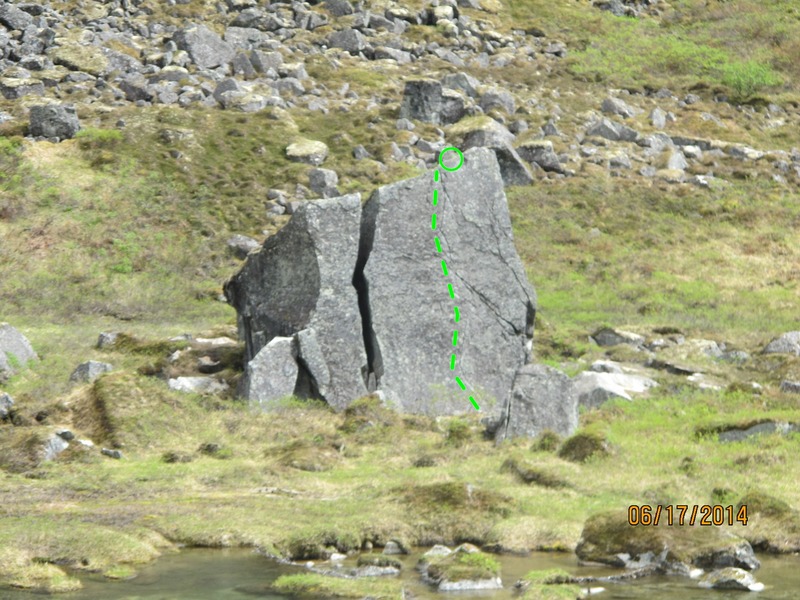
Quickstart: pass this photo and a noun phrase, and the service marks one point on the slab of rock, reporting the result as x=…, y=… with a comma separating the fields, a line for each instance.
x=6, y=404
x=787, y=343
x=731, y=578
x=400, y=275
x=206, y=49
x=54, y=121
x=738, y=434
x=14, y=18
x=593, y=389
x=301, y=284
x=311, y=152
x=15, y=351
x=543, y=398
x=89, y=371
x=500, y=99
x=197, y=385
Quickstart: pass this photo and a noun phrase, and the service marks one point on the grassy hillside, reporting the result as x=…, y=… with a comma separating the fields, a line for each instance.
x=124, y=228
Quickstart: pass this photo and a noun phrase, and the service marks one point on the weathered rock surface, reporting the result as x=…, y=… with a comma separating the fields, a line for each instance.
x=542, y=398
x=54, y=121
x=300, y=284
x=408, y=333
x=15, y=351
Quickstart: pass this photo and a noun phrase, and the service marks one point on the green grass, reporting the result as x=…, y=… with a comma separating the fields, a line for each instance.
x=312, y=585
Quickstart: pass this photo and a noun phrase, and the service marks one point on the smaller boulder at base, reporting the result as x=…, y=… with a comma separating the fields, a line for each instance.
x=542, y=398
x=272, y=374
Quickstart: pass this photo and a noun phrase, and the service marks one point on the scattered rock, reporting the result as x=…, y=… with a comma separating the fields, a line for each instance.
x=115, y=454
x=89, y=371
x=787, y=343
x=241, y=245
x=54, y=446
x=6, y=404
x=197, y=385
x=306, y=151
x=512, y=168
x=107, y=339
x=612, y=337
x=790, y=387
x=206, y=49
x=15, y=351
x=731, y=578
x=615, y=106
x=349, y=40
x=54, y=121
x=738, y=434
x=540, y=152
x=658, y=118
x=593, y=389
x=498, y=99
x=608, y=129
x=422, y=100
x=323, y=182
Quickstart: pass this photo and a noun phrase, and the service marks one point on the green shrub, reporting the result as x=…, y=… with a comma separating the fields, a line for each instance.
x=748, y=78
x=582, y=446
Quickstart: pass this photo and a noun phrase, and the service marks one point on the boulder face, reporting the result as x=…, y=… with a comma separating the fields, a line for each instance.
x=299, y=284
x=409, y=328
x=364, y=299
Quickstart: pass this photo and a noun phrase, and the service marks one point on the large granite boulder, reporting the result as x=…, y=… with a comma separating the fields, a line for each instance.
x=15, y=351
x=301, y=279
x=543, y=398
x=367, y=304
x=409, y=313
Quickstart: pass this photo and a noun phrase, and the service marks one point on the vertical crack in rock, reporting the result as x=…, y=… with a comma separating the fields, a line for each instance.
x=373, y=370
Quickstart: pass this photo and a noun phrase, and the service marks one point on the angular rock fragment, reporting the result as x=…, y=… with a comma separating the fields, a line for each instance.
x=54, y=121
x=786, y=343
x=540, y=152
x=311, y=152
x=593, y=389
x=271, y=374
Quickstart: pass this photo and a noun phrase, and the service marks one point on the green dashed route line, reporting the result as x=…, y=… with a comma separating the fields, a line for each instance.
x=445, y=272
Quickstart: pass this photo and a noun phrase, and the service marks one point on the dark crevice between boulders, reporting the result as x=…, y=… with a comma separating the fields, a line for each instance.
x=373, y=370
x=306, y=385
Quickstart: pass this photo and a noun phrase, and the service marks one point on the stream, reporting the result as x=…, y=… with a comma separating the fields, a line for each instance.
x=239, y=574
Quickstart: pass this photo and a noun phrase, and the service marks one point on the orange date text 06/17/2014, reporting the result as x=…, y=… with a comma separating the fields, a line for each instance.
x=706, y=515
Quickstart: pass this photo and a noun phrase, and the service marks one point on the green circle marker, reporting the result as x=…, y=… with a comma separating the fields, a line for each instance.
x=445, y=272
x=460, y=156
